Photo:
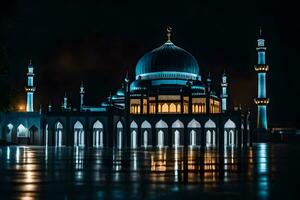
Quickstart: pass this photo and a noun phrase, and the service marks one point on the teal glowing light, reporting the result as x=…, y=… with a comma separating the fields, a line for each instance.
x=262, y=117
x=167, y=57
x=261, y=58
x=261, y=85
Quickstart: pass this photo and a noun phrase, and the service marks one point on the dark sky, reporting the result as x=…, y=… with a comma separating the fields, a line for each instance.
x=98, y=41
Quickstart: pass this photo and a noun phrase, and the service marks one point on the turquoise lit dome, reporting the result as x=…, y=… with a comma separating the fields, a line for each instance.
x=120, y=92
x=167, y=58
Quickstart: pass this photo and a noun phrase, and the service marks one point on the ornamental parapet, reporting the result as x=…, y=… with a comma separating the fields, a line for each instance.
x=261, y=68
x=261, y=101
x=29, y=89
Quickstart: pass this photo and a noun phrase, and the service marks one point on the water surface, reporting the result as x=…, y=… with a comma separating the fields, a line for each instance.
x=263, y=171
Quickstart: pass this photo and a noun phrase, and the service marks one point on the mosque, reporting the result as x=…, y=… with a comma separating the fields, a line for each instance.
x=169, y=104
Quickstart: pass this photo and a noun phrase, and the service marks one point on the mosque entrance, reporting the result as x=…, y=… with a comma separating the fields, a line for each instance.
x=22, y=135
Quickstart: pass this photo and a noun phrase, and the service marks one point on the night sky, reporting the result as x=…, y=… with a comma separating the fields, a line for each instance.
x=98, y=41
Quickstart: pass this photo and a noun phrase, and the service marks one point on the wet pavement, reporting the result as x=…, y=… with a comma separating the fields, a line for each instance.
x=264, y=171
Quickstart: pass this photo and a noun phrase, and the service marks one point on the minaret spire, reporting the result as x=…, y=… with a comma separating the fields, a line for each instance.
x=224, y=94
x=65, y=103
x=261, y=68
x=169, y=31
x=81, y=95
x=30, y=89
x=260, y=31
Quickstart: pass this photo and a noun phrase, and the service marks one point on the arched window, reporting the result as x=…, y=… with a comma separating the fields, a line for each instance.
x=78, y=134
x=229, y=133
x=119, y=135
x=98, y=134
x=165, y=108
x=177, y=130
x=58, y=134
x=210, y=131
x=194, y=128
x=146, y=136
x=22, y=131
x=177, y=124
x=161, y=127
x=173, y=108
x=161, y=124
x=133, y=139
x=9, y=133
x=133, y=125
x=133, y=136
x=160, y=139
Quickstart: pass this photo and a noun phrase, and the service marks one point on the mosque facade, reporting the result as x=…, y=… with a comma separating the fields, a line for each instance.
x=169, y=104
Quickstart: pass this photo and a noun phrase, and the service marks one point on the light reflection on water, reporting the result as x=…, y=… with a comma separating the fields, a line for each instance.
x=87, y=173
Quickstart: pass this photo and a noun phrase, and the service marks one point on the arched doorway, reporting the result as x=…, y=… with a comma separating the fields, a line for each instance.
x=160, y=139
x=193, y=138
x=177, y=131
x=229, y=133
x=98, y=134
x=22, y=134
x=133, y=135
x=119, y=135
x=146, y=136
x=194, y=129
x=176, y=138
x=161, y=127
x=133, y=139
x=145, y=139
x=9, y=133
x=210, y=133
x=78, y=134
x=58, y=134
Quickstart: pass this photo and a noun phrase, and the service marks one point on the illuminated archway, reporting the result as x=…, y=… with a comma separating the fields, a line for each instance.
x=177, y=131
x=229, y=133
x=161, y=127
x=210, y=132
x=22, y=134
x=119, y=135
x=146, y=134
x=78, y=134
x=98, y=134
x=58, y=134
x=160, y=139
x=9, y=133
x=194, y=128
x=133, y=139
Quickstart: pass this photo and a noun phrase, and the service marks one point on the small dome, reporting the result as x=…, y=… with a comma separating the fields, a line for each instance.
x=167, y=57
x=114, y=97
x=120, y=92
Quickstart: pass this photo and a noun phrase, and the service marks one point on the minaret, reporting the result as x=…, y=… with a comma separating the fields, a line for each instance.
x=208, y=92
x=81, y=95
x=208, y=82
x=30, y=88
x=65, y=103
x=224, y=94
x=261, y=68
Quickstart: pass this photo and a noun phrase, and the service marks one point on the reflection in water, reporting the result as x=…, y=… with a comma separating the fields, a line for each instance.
x=91, y=173
x=262, y=169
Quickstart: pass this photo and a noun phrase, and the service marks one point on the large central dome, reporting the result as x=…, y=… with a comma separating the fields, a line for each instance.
x=167, y=58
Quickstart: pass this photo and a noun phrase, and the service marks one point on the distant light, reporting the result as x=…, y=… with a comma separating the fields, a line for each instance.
x=21, y=107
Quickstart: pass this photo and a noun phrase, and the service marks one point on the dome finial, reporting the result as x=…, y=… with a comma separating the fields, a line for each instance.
x=169, y=30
